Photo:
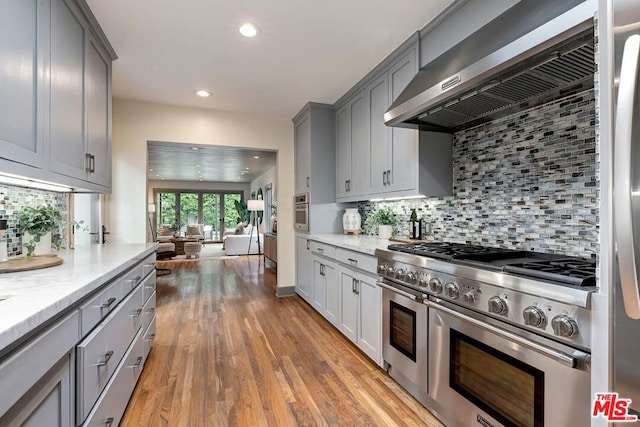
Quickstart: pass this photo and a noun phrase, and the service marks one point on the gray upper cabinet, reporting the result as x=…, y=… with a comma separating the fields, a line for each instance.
x=67, y=91
x=351, y=149
x=22, y=82
x=98, y=106
x=376, y=161
x=314, y=152
x=55, y=115
x=303, y=154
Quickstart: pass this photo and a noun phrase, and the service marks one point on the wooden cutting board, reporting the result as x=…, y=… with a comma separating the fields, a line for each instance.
x=30, y=263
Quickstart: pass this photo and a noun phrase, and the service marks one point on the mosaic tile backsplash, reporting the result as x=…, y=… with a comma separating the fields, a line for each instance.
x=526, y=181
x=12, y=199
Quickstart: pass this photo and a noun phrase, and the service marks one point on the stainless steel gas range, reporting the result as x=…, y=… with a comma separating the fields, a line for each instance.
x=488, y=335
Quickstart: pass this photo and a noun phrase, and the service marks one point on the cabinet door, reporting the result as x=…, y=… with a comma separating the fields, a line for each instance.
x=319, y=285
x=403, y=149
x=332, y=286
x=49, y=403
x=67, y=91
x=343, y=151
x=304, y=277
x=98, y=82
x=303, y=154
x=23, y=34
x=359, y=146
x=370, y=317
x=379, y=134
x=348, y=306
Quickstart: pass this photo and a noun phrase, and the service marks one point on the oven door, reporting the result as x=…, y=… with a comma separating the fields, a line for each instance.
x=301, y=216
x=485, y=373
x=404, y=338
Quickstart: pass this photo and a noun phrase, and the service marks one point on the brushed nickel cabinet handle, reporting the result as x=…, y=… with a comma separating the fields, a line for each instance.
x=138, y=362
x=135, y=279
x=320, y=250
x=150, y=337
x=389, y=177
x=107, y=356
x=108, y=422
x=307, y=182
x=384, y=178
x=354, y=261
x=108, y=303
x=137, y=313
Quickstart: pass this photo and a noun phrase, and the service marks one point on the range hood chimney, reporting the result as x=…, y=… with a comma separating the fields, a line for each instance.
x=536, y=51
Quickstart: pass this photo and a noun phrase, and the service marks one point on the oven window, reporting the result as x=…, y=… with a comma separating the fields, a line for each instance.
x=301, y=216
x=402, y=328
x=509, y=390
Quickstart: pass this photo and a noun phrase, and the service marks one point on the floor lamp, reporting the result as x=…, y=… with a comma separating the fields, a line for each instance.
x=255, y=206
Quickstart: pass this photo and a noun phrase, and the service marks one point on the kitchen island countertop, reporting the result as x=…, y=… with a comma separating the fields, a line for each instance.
x=362, y=243
x=30, y=299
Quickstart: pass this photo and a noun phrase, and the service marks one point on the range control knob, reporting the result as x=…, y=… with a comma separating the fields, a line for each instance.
x=390, y=271
x=400, y=274
x=534, y=316
x=423, y=282
x=382, y=268
x=435, y=285
x=564, y=326
x=470, y=296
x=452, y=291
x=497, y=305
x=411, y=277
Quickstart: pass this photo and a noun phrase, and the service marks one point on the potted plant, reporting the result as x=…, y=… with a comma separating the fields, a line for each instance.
x=40, y=229
x=384, y=218
x=243, y=212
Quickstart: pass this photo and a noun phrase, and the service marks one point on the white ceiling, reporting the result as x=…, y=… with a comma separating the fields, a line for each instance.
x=180, y=162
x=307, y=51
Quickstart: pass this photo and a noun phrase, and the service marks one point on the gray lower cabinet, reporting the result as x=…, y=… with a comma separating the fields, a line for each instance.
x=304, y=265
x=82, y=369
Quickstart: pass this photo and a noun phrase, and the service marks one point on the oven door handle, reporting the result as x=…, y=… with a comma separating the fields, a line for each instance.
x=397, y=291
x=558, y=356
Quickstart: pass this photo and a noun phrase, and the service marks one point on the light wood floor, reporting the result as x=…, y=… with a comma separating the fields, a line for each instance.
x=229, y=353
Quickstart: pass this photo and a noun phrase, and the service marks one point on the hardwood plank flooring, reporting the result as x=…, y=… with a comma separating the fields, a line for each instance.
x=228, y=352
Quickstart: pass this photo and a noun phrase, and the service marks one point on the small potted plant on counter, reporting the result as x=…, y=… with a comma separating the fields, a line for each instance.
x=385, y=219
x=40, y=229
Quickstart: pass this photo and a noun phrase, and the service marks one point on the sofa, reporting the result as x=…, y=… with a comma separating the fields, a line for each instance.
x=238, y=242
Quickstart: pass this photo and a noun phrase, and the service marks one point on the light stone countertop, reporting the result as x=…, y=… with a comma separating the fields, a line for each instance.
x=364, y=244
x=36, y=296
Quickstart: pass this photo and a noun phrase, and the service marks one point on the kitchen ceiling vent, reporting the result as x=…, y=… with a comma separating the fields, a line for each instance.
x=537, y=81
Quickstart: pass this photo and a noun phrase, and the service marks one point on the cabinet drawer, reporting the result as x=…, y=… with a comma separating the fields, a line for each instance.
x=98, y=354
x=149, y=336
x=27, y=365
x=99, y=307
x=357, y=260
x=112, y=403
x=148, y=311
x=149, y=264
x=148, y=286
x=323, y=249
x=131, y=279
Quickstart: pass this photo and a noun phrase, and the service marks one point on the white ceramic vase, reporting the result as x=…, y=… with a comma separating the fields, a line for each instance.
x=351, y=221
x=385, y=231
x=43, y=247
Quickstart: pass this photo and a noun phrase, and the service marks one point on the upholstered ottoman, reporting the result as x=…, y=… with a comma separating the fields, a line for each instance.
x=192, y=249
x=165, y=251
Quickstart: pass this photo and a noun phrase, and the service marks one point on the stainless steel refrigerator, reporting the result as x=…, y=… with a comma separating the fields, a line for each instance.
x=626, y=200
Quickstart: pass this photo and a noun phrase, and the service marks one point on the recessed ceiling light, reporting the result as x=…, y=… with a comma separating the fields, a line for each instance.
x=249, y=30
x=162, y=179
x=157, y=175
x=242, y=173
x=197, y=166
x=150, y=170
x=203, y=93
x=256, y=157
x=194, y=148
x=246, y=169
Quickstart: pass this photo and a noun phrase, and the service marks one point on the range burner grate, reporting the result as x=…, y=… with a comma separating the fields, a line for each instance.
x=571, y=272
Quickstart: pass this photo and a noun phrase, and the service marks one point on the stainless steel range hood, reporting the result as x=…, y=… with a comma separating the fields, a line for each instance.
x=536, y=51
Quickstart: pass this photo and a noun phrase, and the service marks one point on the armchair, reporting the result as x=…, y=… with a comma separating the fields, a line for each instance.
x=195, y=231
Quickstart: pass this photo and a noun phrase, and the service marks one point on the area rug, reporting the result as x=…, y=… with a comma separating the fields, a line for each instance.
x=212, y=251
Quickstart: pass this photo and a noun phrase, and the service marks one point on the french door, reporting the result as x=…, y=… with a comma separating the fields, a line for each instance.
x=215, y=210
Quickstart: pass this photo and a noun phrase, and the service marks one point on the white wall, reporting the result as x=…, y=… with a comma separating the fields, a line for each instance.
x=269, y=177
x=136, y=122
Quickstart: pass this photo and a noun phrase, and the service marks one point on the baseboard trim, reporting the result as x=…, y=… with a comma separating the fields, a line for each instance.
x=285, y=291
